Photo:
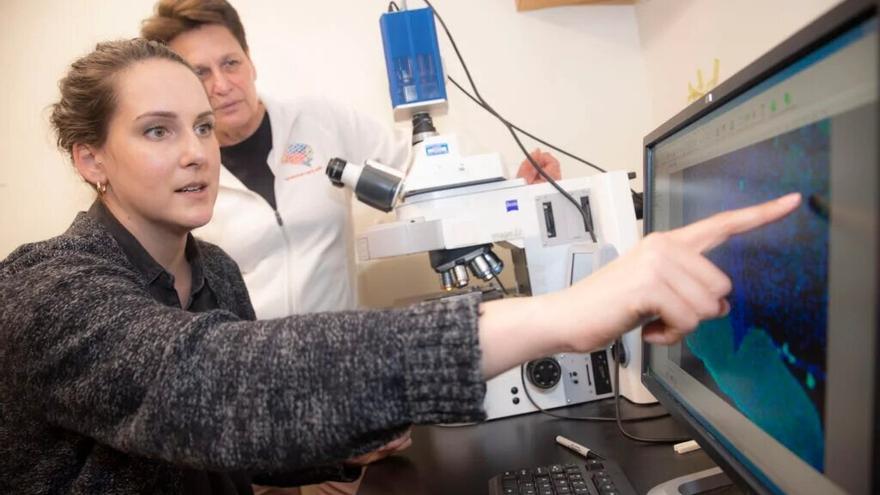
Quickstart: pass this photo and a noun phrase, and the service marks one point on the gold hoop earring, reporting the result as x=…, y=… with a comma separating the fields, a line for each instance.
x=102, y=188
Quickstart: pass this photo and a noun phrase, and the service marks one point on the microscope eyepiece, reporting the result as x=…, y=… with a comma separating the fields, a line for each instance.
x=334, y=171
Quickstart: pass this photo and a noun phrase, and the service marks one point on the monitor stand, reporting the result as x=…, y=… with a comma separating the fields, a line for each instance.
x=711, y=481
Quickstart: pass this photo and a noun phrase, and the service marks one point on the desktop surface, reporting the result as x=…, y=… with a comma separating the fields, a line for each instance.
x=461, y=460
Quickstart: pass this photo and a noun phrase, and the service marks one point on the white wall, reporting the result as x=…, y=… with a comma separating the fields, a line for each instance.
x=39, y=190
x=680, y=37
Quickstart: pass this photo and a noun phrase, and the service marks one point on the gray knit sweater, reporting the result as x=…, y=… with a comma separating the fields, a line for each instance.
x=105, y=390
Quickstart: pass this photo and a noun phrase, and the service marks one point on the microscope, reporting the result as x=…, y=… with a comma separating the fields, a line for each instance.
x=459, y=209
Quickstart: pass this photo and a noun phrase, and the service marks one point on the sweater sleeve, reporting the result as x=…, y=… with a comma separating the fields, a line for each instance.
x=208, y=390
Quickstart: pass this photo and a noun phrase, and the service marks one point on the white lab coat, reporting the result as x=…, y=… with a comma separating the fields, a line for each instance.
x=301, y=259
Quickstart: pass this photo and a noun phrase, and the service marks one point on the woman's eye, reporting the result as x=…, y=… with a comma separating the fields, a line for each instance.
x=156, y=132
x=204, y=129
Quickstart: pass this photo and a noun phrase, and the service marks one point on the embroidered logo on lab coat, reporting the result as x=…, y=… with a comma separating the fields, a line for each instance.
x=298, y=154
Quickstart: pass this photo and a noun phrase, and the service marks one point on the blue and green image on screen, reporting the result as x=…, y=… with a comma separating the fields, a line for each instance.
x=767, y=358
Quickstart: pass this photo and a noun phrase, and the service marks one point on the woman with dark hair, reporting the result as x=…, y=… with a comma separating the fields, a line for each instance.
x=131, y=361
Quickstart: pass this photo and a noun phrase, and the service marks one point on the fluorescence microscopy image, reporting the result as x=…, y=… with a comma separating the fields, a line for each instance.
x=767, y=358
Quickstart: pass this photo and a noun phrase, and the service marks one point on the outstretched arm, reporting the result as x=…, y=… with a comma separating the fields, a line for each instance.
x=665, y=283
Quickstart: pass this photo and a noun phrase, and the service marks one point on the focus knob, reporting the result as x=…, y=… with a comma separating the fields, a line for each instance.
x=544, y=372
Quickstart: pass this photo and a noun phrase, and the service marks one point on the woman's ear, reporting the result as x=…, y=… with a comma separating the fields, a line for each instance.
x=86, y=161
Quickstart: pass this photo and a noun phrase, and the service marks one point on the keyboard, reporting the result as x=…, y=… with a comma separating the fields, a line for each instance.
x=592, y=477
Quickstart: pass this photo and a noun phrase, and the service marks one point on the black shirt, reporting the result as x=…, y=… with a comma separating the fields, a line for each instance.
x=201, y=298
x=161, y=283
x=247, y=160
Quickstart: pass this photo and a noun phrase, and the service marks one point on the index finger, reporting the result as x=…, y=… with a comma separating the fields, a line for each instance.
x=710, y=232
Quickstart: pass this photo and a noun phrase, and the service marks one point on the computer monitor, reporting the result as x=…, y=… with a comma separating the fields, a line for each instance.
x=782, y=392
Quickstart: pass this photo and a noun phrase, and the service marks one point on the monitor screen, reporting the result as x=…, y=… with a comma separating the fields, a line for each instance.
x=783, y=387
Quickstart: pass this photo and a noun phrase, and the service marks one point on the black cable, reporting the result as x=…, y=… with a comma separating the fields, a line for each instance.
x=458, y=54
x=553, y=183
x=638, y=198
x=395, y=7
x=621, y=420
x=509, y=126
x=522, y=374
x=527, y=133
x=478, y=98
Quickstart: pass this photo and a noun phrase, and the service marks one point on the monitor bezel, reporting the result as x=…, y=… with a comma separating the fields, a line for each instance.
x=828, y=26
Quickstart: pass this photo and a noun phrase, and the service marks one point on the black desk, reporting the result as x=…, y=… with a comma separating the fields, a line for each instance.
x=460, y=460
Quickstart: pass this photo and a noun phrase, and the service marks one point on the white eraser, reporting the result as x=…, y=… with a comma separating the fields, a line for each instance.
x=685, y=447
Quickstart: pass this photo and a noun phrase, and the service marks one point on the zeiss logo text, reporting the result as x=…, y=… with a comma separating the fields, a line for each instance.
x=512, y=205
